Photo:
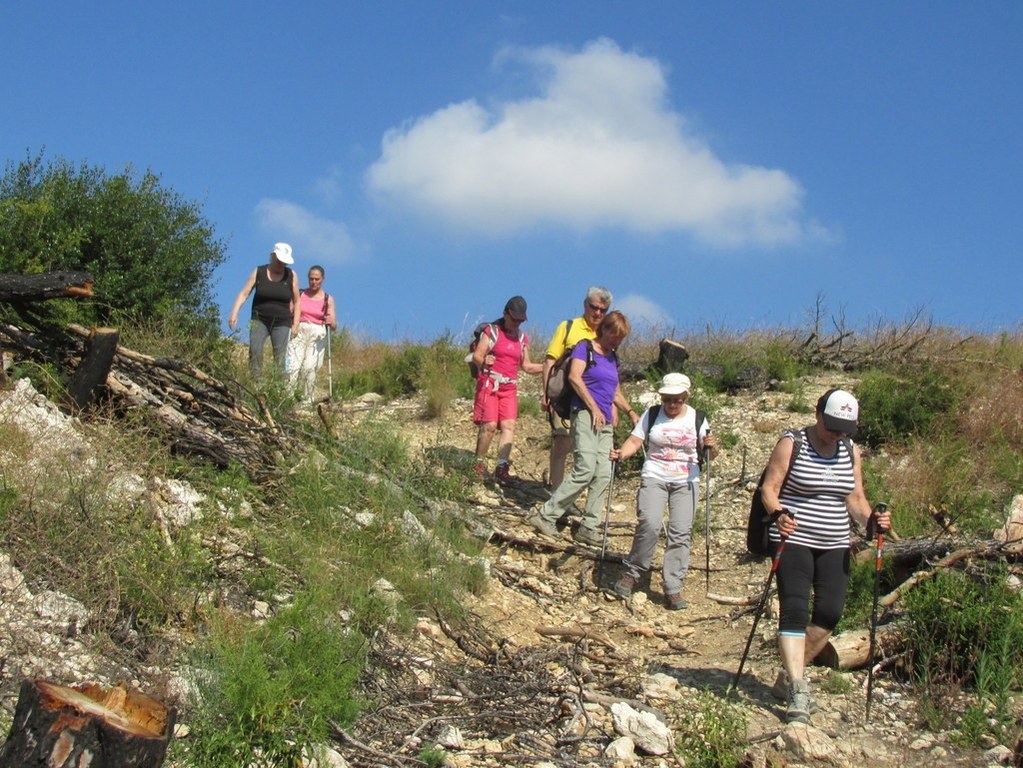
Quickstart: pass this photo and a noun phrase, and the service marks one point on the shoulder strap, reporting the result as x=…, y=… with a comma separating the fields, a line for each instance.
x=848, y=443
x=568, y=330
x=797, y=444
x=589, y=353
x=654, y=411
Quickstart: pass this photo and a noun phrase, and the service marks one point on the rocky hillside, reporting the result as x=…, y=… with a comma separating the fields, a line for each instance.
x=546, y=666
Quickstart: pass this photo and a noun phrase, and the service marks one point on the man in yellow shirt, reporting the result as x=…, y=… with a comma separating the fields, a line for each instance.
x=566, y=335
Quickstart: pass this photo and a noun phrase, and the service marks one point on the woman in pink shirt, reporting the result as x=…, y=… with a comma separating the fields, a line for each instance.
x=309, y=344
x=502, y=350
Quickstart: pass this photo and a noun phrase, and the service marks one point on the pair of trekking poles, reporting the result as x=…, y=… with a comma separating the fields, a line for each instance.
x=878, y=562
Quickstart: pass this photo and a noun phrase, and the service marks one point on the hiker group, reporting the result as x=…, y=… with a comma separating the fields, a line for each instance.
x=811, y=488
x=800, y=515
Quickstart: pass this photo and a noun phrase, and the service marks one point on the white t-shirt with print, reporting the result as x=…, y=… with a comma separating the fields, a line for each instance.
x=673, y=451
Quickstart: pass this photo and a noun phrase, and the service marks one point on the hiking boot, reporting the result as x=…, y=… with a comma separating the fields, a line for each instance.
x=479, y=469
x=780, y=691
x=674, y=601
x=542, y=526
x=503, y=476
x=799, y=702
x=624, y=586
x=586, y=536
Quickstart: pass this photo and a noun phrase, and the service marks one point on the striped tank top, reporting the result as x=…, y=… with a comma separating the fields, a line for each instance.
x=816, y=491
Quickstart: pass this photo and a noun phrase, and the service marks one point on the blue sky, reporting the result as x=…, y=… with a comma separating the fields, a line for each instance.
x=720, y=163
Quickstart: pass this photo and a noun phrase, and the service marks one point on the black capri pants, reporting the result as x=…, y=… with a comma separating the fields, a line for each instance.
x=827, y=571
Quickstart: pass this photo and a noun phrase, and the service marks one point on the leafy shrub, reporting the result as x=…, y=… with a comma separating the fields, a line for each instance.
x=894, y=408
x=711, y=733
x=150, y=251
x=273, y=689
x=965, y=632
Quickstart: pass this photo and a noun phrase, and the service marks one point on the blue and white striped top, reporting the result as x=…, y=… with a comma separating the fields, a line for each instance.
x=816, y=491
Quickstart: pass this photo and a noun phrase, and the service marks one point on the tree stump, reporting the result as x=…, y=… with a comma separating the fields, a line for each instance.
x=94, y=368
x=60, y=727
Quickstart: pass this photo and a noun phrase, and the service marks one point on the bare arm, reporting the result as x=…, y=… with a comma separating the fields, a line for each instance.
x=481, y=355
x=529, y=366
x=856, y=502
x=777, y=468
x=296, y=313
x=331, y=318
x=629, y=448
x=243, y=295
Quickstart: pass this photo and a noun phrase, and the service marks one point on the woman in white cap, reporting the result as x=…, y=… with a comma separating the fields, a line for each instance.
x=675, y=437
x=812, y=504
x=274, y=307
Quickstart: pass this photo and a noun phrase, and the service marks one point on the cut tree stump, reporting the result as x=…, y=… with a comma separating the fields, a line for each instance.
x=94, y=368
x=56, y=726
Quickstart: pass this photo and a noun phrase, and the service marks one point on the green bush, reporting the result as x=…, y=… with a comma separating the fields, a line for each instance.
x=894, y=408
x=711, y=733
x=273, y=689
x=965, y=632
x=150, y=251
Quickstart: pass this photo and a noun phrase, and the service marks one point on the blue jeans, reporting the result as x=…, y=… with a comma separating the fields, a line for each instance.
x=279, y=333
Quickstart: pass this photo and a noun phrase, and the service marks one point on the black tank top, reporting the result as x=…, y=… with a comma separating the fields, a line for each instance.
x=272, y=299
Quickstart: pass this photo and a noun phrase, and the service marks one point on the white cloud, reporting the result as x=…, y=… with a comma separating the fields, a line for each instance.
x=314, y=238
x=644, y=314
x=598, y=147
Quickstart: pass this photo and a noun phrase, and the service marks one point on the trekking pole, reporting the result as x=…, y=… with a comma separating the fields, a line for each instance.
x=760, y=607
x=330, y=370
x=706, y=527
x=878, y=509
x=607, y=521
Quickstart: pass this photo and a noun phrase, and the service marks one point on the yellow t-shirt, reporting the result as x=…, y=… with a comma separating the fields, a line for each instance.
x=579, y=331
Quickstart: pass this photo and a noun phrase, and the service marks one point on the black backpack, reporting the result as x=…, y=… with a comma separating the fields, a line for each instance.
x=561, y=401
x=760, y=520
x=701, y=417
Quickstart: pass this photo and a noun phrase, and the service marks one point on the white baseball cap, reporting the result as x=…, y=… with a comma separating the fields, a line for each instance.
x=839, y=411
x=283, y=253
x=674, y=384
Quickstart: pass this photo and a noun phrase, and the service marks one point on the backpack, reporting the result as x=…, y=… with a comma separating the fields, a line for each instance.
x=701, y=417
x=557, y=380
x=760, y=520
x=561, y=402
x=474, y=370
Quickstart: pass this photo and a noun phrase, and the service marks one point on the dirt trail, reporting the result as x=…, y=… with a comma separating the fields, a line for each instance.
x=555, y=587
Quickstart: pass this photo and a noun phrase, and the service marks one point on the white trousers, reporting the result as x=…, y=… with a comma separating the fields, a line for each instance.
x=306, y=351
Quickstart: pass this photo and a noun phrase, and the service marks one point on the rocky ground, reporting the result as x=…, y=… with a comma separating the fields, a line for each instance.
x=544, y=609
x=538, y=588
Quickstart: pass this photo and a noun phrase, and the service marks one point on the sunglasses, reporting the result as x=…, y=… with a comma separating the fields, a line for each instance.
x=595, y=308
x=673, y=400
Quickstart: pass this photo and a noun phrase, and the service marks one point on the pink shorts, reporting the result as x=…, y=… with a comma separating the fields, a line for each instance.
x=495, y=404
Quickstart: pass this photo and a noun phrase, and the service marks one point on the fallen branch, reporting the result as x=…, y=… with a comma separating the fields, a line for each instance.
x=574, y=633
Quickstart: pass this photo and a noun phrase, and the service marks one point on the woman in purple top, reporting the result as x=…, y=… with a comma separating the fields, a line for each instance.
x=593, y=375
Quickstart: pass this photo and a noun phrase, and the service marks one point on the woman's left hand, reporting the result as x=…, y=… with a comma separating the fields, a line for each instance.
x=710, y=443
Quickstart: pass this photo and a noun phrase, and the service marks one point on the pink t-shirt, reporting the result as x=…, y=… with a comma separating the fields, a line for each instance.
x=312, y=310
x=507, y=352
